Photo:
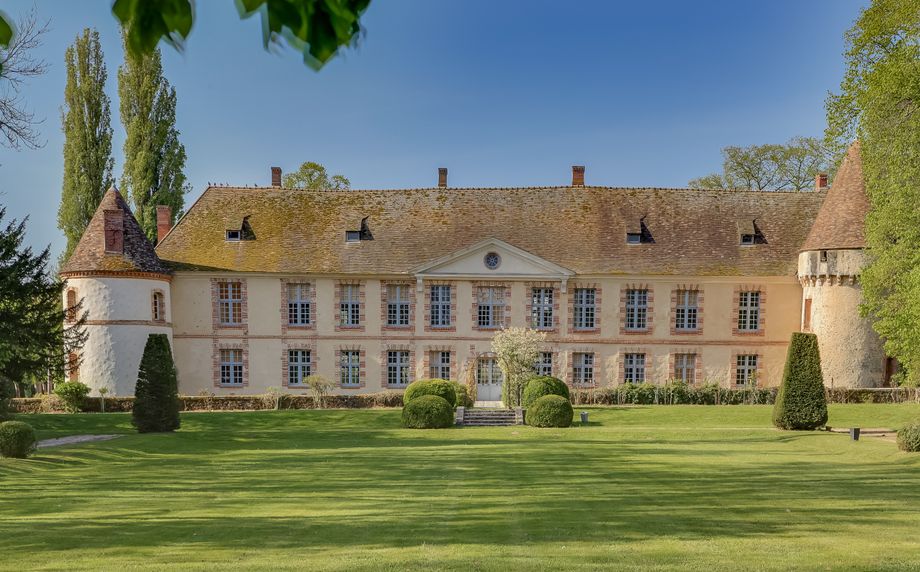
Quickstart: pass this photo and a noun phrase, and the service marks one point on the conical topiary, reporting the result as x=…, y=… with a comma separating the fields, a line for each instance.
x=156, y=396
x=801, y=403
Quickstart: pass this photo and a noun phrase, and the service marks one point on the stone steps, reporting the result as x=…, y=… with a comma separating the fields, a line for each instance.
x=489, y=417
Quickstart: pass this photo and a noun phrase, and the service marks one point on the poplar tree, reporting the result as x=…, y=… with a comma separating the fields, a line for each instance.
x=154, y=157
x=86, y=123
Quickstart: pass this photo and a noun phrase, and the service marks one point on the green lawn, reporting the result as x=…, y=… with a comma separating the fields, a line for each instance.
x=652, y=488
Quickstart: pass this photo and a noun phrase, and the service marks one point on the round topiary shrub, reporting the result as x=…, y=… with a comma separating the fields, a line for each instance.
x=539, y=386
x=72, y=394
x=909, y=437
x=440, y=387
x=17, y=439
x=463, y=394
x=428, y=412
x=550, y=411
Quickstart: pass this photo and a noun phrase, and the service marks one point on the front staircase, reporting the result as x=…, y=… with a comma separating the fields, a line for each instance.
x=489, y=417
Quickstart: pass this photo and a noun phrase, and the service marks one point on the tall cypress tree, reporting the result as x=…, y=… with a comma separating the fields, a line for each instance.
x=154, y=157
x=86, y=122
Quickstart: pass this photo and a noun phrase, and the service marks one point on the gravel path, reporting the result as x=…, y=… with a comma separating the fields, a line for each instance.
x=72, y=439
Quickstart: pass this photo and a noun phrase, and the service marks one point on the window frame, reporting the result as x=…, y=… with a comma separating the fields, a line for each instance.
x=437, y=365
x=583, y=364
x=440, y=306
x=299, y=304
x=398, y=368
x=634, y=368
x=300, y=360
x=544, y=365
x=398, y=308
x=350, y=368
x=749, y=311
x=584, y=309
x=685, y=367
x=230, y=302
x=635, y=318
x=158, y=306
x=494, y=372
x=542, y=300
x=686, y=312
x=231, y=367
x=349, y=305
x=745, y=365
x=491, y=307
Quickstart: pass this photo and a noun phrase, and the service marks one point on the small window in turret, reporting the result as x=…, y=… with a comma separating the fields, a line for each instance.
x=823, y=256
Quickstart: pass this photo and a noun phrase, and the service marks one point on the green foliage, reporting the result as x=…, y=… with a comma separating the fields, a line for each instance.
x=516, y=350
x=550, y=411
x=790, y=166
x=145, y=22
x=154, y=157
x=6, y=31
x=428, y=412
x=801, y=403
x=540, y=385
x=440, y=387
x=156, y=395
x=314, y=177
x=321, y=388
x=87, y=130
x=879, y=104
x=463, y=396
x=17, y=439
x=909, y=437
x=72, y=394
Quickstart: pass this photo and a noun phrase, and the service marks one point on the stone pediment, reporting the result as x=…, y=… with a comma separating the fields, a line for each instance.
x=492, y=259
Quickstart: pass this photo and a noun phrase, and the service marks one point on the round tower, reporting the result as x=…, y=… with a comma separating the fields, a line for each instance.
x=829, y=267
x=124, y=290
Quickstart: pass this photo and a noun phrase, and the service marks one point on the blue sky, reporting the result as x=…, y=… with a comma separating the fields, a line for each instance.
x=507, y=93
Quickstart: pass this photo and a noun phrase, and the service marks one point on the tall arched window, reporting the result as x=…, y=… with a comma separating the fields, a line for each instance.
x=73, y=367
x=70, y=312
x=159, y=307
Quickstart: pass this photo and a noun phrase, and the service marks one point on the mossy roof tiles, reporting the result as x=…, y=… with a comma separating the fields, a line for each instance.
x=840, y=223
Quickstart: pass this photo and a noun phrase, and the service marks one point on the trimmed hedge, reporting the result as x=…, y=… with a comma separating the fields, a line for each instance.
x=538, y=386
x=156, y=394
x=17, y=439
x=550, y=411
x=428, y=412
x=440, y=387
x=909, y=437
x=801, y=403
x=463, y=394
x=677, y=393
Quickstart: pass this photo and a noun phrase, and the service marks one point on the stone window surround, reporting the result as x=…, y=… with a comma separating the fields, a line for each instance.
x=570, y=367
x=215, y=306
x=384, y=303
x=699, y=310
x=311, y=288
x=621, y=362
x=70, y=313
x=218, y=345
x=154, y=303
x=426, y=360
x=734, y=366
x=649, y=311
x=339, y=327
x=385, y=379
x=570, y=313
x=761, y=310
x=297, y=345
x=362, y=366
x=506, y=304
x=529, y=287
x=672, y=364
x=453, y=306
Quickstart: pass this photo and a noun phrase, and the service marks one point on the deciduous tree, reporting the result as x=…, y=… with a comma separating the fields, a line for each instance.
x=18, y=64
x=314, y=176
x=517, y=351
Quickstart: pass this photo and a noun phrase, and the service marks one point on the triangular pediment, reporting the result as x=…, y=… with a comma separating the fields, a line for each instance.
x=492, y=258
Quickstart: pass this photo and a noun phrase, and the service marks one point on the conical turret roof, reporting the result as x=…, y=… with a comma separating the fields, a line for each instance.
x=841, y=220
x=90, y=255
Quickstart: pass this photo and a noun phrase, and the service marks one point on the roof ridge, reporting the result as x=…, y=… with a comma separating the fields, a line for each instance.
x=525, y=188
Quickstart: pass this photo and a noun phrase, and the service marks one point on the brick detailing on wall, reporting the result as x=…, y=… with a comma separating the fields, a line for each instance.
x=649, y=315
x=361, y=305
x=285, y=325
x=699, y=310
x=426, y=360
x=215, y=306
x=216, y=346
x=570, y=312
x=528, y=293
x=506, y=299
x=297, y=345
x=672, y=364
x=453, y=306
x=410, y=289
x=362, y=369
x=762, y=314
x=384, y=379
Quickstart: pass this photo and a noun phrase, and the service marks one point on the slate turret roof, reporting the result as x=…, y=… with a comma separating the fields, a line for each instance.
x=841, y=221
x=90, y=254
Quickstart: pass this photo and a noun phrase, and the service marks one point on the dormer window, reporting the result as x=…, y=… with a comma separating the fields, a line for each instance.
x=233, y=235
x=359, y=235
x=823, y=256
x=633, y=238
x=243, y=233
x=749, y=233
x=638, y=233
x=747, y=239
x=352, y=236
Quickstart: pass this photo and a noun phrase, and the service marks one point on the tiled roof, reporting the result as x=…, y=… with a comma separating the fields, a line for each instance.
x=841, y=220
x=90, y=254
x=580, y=228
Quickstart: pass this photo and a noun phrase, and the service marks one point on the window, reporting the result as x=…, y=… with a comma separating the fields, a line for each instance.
x=230, y=303
x=299, y=306
x=633, y=238
x=398, y=305
x=583, y=368
x=749, y=311
x=685, y=367
x=636, y=310
x=397, y=368
x=352, y=236
x=745, y=369
x=350, y=368
x=440, y=306
x=634, y=368
x=823, y=256
x=234, y=235
x=70, y=312
x=73, y=367
x=439, y=365
x=350, y=305
x=231, y=367
x=492, y=260
x=541, y=308
x=747, y=239
x=491, y=306
x=300, y=364
x=487, y=371
x=806, y=316
x=159, y=307
x=545, y=364
x=584, y=309
x=685, y=313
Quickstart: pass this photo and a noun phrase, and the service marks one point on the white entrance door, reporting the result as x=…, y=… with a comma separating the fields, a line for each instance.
x=488, y=380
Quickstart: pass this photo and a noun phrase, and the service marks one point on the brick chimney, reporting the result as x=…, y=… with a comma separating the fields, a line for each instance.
x=164, y=221
x=276, y=176
x=578, y=175
x=442, y=177
x=820, y=181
